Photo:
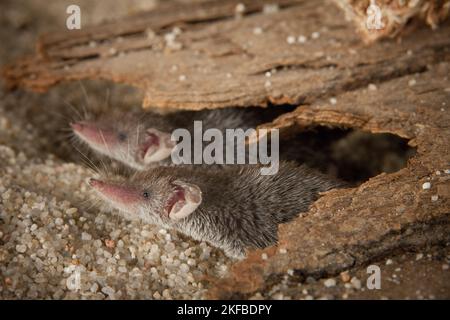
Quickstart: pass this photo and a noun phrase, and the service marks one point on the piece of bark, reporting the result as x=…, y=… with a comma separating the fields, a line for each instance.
x=351, y=227
x=394, y=15
x=222, y=62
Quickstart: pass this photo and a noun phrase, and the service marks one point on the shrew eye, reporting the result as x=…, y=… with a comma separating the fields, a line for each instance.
x=122, y=136
x=146, y=194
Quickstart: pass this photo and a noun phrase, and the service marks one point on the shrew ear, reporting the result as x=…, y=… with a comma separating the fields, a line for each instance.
x=157, y=145
x=185, y=200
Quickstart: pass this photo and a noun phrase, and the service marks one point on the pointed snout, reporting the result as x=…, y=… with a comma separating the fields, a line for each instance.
x=121, y=194
x=83, y=127
x=92, y=133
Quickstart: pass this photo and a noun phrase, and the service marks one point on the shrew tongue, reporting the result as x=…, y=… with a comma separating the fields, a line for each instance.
x=177, y=196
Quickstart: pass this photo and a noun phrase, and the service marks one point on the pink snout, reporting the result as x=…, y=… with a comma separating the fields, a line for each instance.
x=93, y=133
x=121, y=194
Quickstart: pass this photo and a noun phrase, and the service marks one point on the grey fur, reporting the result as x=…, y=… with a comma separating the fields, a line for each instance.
x=132, y=127
x=240, y=208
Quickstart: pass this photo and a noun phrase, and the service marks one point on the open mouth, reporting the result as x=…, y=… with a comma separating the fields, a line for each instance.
x=156, y=147
x=176, y=202
x=150, y=146
x=184, y=200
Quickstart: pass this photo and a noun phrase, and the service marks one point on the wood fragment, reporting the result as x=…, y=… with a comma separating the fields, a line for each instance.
x=394, y=15
x=222, y=63
x=351, y=227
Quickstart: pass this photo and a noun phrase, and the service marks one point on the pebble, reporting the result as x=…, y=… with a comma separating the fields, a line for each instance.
x=389, y=261
x=184, y=268
x=108, y=291
x=85, y=236
x=356, y=283
x=302, y=39
x=71, y=211
x=21, y=248
x=330, y=283
x=345, y=276
x=257, y=31
x=240, y=8
x=94, y=287
x=426, y=186
x=290, y=39
x=112, y=51
x=157, y=295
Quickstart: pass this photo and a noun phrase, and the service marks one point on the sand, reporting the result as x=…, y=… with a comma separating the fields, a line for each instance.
x=56, y=241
